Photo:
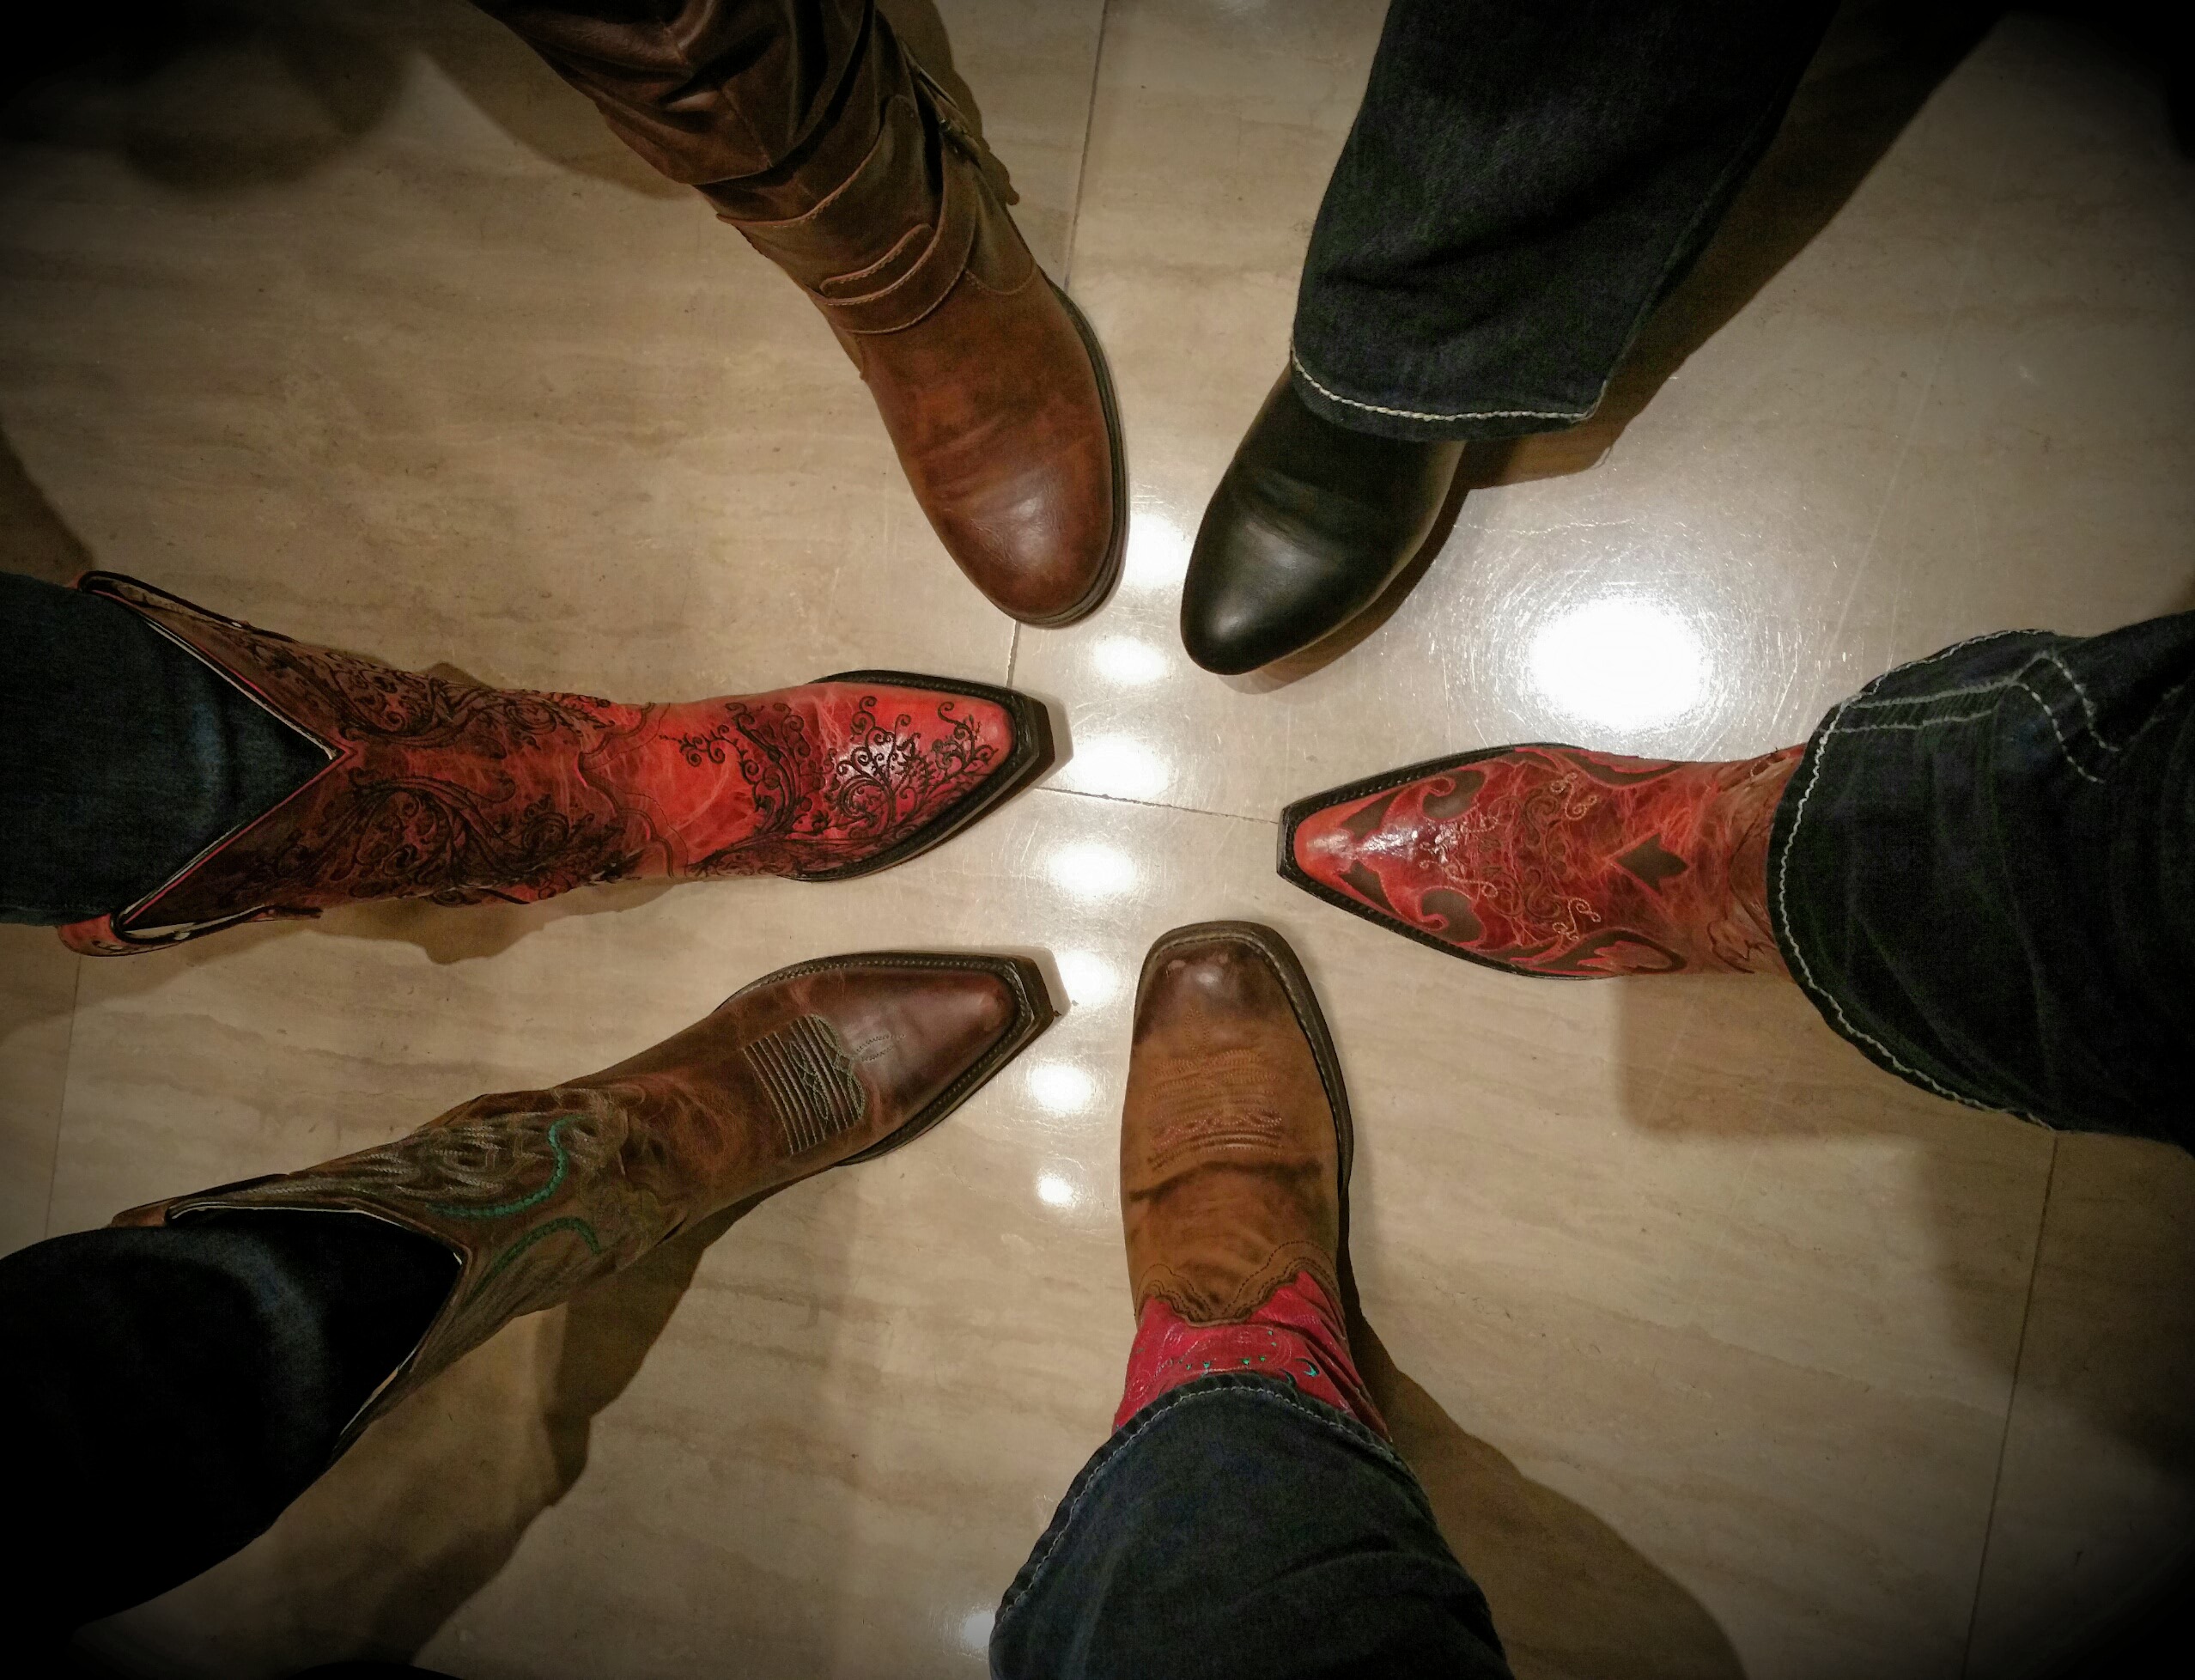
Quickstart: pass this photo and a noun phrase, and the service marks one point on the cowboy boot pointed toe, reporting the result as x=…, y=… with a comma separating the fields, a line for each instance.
x=1554, y=860
x=435, y=788
x=536, y=1194
x=1309, y=525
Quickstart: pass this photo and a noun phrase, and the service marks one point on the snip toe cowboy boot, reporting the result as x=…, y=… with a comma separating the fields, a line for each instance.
x=449, y=790
x=1554, y=860
x=1235, y=1151
x=990, y=382
x=539, y=1193
x=1309, y=525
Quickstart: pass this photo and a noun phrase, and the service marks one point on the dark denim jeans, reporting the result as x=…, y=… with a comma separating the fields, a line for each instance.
x=174, y=1389
x=1982, y=874
x=1522, y=184
x=1235, y=1526
x=125, y=755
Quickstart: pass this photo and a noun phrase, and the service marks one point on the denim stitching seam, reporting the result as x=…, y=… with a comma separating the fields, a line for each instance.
x=2096, y=728
x=1311, y=378
x=1814, y=987
x=1119, y=1445
x=2065, y=746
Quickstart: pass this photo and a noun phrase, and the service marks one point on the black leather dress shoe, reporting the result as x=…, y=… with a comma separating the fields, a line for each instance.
x=1311, y=523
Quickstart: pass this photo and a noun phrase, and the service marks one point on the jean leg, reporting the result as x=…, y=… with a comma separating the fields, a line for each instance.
x=175, y=1388
x=1982, y=874
x=125, y=755
x=1522, y=185
x=1236, y=1526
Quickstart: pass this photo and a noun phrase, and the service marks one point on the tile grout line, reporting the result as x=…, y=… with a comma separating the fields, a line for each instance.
x=1082, y=162
x=1160, y=805
x=2011, y=1399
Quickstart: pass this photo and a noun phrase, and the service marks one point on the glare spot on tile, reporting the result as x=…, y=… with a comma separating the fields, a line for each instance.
x=1060, y=1086
x=1127, y=659
x=1621, y=661
x=1090, y=978
x=1158, y=550
x=1119, y=767
x=1090, y=869
x=1054, y=1191
x=975, y=1630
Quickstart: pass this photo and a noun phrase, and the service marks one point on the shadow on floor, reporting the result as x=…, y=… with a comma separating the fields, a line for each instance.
x=1571, y=1597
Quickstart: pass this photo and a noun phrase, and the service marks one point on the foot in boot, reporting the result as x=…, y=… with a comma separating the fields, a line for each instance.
x=1555, y=859
x=448, y=790
x=1309, y=524
x=539, y=1192
x=1234, y=1147
x=989, y=381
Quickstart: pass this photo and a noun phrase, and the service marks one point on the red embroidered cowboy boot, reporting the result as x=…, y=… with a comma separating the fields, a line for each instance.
x=1554, y=860
x=452, y=791
x=1235, y=1151
x=538, y=1193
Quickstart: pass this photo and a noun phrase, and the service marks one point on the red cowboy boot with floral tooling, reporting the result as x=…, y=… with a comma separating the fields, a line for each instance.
x=1554, y=860
x=461, y=792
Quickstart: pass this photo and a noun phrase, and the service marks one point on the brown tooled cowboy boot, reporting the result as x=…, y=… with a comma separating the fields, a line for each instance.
x=450, y=790
x=538, y=1193
x=989, y=380
x=1555, y=861
x=1235, y=1151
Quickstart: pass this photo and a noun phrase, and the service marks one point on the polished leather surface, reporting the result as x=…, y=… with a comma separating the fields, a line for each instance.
x=1554, y=860
x=440, y=788
x=1309, y=524
x=992, y=389
x=539, y=1192
x=1232, y=1153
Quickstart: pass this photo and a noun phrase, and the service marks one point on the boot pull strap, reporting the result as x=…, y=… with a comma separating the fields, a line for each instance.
x=956, y=127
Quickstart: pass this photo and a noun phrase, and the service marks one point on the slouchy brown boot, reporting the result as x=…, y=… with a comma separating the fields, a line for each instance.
x=538, y=1193
x=989, y=380
x=811, y=130
x=1235, y=1153
x=452, y=791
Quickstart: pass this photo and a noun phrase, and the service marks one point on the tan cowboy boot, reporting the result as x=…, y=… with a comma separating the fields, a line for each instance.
x=1235, y=1151
x=538, y=1193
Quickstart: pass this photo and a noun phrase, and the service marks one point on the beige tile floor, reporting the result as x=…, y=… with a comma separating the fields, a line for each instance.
x=1722, y=1353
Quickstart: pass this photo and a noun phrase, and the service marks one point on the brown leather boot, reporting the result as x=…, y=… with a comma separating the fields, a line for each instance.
x=538, y=1193
x=1235, y=1139
x=989, y=380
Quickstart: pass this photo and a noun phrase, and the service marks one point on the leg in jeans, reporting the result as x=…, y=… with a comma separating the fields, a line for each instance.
x=1249, y=1515
x=185, y=1373
x=1521, y=187
x=1981, y=869
x=125, y=756
x=808, y=128
x=185, y=1384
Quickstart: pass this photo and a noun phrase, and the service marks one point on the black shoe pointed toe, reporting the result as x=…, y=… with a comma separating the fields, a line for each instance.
x=1309, y=524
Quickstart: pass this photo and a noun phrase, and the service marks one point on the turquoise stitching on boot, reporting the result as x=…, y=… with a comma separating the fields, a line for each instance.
x=570, y=1222
x=505, y=1209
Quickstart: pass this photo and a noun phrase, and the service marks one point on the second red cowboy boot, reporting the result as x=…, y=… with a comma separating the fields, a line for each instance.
x=1554, y=860
x=538, y=1193
x=1235, y=1153
x=461, y=792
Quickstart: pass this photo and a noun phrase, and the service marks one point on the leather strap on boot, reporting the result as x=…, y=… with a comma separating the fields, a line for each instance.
x=926, y=205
